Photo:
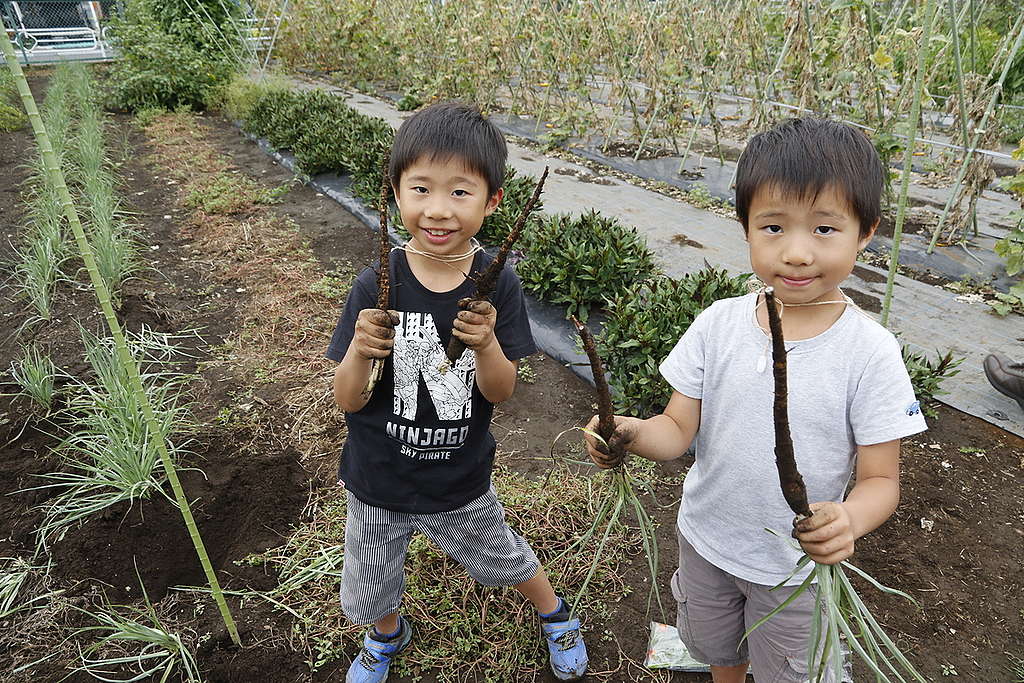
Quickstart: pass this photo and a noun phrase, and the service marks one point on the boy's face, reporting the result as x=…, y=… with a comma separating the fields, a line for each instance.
x=443, y=204
x=803, y=248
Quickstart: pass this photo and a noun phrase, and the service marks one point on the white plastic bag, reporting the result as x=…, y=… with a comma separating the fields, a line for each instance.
x=666, y=651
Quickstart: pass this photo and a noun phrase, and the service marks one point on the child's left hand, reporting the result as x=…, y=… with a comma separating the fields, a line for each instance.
x=827, y=535
x=474, y=325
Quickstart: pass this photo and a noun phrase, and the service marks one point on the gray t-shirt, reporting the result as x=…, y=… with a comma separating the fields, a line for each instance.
x=848, y=386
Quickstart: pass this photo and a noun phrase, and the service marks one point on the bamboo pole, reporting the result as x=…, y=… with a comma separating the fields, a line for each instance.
x=908, y=158
x=56, y=175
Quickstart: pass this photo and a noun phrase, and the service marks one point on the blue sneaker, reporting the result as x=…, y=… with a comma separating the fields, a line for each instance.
x=565, y=645
x=373, y=661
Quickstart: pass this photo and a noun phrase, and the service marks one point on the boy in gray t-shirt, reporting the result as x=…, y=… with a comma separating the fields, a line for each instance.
x=808, y=196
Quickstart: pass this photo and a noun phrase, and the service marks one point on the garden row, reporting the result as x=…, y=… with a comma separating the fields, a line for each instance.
x=582, y=264
x=115, y=420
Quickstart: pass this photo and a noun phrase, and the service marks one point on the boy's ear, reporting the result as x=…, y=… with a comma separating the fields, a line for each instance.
x=866, y=239
x=493, y=202
x=394, y=190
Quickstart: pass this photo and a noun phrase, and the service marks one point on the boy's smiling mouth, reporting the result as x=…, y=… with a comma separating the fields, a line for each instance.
x=438, y=235
x=797, y=282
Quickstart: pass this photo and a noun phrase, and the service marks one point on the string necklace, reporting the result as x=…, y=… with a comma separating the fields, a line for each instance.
x=475, y=246
x=762, y=361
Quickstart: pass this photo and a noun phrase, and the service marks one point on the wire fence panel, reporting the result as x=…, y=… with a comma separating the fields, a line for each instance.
x=47, y=31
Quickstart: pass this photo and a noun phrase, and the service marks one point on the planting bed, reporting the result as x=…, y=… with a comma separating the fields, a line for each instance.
x=251, y=282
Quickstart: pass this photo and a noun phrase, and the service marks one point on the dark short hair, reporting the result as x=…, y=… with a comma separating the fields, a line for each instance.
x=448, y=130
x=802, y=157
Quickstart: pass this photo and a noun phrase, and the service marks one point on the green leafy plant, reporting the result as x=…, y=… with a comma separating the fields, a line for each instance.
x=575, y=261
x=518, y=190
x=111, y=454
x=927, y=375
x=408, y=102
x=324, y=133
x=1011, y=247
x=169, y=56
x=11, y=116
x=645, y=321
x=36, y=375
x=1009, y=302
x=139, y=640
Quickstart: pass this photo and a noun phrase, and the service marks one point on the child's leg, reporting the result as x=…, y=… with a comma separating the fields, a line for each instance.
x=477, y=537
x=538, y=591
x=710, y=615
x=373, y=576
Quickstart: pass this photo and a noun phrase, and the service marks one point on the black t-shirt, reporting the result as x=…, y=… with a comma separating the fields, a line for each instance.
x=422, y=444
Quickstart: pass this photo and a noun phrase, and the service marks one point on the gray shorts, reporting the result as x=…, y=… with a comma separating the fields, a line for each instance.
x=716, y=608
x=376, y=541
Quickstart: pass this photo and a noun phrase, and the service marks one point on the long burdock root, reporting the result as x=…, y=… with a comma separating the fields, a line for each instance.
x=383, y=277
x=606, y=422
x=487, y=281
x=621, y=493
x=793, y=488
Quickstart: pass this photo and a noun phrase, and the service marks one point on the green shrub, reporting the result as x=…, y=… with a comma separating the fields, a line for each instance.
x=268, y=115
x=365, y=145
x=319, y=146
x=166, y=60
x=580, y=261
x=325, y=134
x=518, y=190
x=645, y=321
x=11, y=116
x=926, y=375
x=236, y=97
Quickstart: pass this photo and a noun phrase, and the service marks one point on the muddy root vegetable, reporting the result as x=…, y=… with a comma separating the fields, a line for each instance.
x=606, y=422
x=487, y=281
x=383, y=277
x=793, y=488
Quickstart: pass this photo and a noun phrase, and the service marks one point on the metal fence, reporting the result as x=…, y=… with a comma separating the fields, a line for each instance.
x=47, y=31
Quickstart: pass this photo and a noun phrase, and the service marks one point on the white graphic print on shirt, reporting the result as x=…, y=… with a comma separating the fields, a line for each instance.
x=418, y=353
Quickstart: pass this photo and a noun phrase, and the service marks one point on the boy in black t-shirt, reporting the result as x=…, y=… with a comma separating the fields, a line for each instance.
x=419, y=451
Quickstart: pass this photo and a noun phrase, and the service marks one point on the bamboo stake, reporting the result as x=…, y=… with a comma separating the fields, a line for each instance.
x=56, y=175
x=487, y=282
x=908, y=159
x=793, y=488
x=961, y=93
x=383, y=275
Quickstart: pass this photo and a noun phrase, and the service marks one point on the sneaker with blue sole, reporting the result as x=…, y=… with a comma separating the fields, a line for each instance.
x=565, y=644
x=372, y=663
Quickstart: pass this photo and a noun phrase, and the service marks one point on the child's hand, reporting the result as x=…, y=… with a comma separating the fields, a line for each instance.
x=827, y=535
x=474, y=325
x=602, y=455
x=375, y=333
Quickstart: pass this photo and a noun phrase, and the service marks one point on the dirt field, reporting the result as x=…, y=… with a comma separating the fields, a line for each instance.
x=260, y=380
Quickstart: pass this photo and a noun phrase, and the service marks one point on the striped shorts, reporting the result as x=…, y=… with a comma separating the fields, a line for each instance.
x=376, y=541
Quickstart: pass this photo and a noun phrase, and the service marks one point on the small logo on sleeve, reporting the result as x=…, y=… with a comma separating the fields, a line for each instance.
x=914, y=408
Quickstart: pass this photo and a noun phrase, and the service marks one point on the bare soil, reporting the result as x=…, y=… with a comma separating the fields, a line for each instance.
x=964, y=475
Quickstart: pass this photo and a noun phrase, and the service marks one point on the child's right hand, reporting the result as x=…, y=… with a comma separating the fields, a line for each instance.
x=624, y=434
x=375, y=333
